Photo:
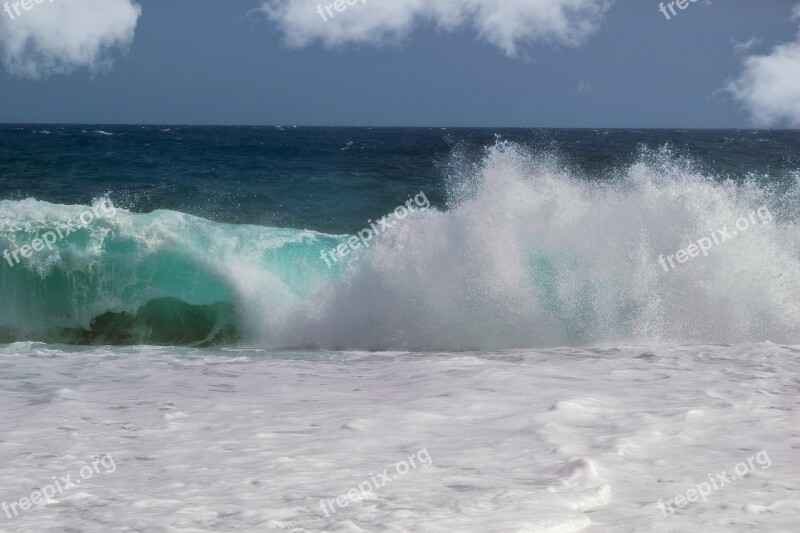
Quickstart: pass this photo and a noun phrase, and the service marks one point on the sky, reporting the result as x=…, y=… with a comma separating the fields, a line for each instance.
x=492, y=63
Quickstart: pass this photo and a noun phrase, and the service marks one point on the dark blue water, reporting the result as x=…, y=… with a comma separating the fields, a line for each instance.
x=328, y=179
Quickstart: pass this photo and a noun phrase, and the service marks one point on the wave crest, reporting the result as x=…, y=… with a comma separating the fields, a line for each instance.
x=527, y=254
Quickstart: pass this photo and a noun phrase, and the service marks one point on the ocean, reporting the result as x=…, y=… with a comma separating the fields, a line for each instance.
x=577, y=327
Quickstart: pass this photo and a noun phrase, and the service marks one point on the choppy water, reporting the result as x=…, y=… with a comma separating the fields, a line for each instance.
x=176, y=308
x=524, y=238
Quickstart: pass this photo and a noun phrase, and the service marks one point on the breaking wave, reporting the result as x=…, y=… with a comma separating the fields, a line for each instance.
x=526, y=254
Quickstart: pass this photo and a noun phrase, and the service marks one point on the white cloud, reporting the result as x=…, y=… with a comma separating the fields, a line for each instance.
x=507, y=24
x=60, y=36
x=769, y=85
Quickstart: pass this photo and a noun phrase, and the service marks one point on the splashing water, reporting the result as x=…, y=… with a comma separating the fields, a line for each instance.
x=527, y=254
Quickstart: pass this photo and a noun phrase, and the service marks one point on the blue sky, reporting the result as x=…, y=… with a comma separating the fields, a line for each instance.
x=395, y=63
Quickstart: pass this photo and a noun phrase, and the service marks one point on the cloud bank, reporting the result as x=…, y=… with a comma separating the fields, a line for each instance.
x=769, y=85
x=507, y=24
x=60, y=36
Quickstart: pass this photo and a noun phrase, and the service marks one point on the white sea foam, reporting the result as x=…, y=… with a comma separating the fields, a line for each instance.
x=243, y=439
x=529, y=254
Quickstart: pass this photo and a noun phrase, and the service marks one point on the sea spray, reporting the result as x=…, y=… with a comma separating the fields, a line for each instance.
x=529, y=254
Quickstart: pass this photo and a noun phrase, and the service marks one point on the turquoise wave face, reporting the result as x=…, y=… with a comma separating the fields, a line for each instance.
x=123, y=278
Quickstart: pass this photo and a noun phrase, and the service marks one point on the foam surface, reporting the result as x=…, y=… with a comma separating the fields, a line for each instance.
x=520, y=441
